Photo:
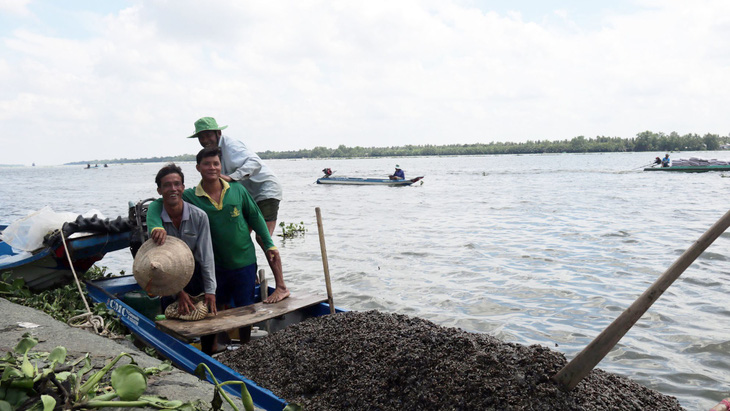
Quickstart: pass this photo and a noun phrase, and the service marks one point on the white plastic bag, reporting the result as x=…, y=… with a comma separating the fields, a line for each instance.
x=27, y=233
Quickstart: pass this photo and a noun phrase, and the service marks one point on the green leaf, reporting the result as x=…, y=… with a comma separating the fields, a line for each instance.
x=49, y=403
x=5, y=406
x=158, y=402
x=25, y=344
x=200, y=371
x=11, y=373
x=129, y=382
x=217, y=401
x=246, y=399
x=63, y=376
x=58, y=355
x=91, y=383
x=27, y=367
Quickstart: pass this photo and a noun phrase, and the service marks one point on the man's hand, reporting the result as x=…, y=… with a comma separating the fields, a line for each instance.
x=210, y=302
x=159, y=235
x=226, y=178
x=184, y=303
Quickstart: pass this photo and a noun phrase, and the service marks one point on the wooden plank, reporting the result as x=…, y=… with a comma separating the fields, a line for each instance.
x=237, y=317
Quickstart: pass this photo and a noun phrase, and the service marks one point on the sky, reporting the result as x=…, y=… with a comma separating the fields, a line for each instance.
x=85, y=79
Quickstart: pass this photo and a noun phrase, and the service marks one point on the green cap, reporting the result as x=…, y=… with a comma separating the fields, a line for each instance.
x=204, y=124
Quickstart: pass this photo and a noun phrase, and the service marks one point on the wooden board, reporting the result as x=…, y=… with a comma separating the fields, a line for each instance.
x=237, y=317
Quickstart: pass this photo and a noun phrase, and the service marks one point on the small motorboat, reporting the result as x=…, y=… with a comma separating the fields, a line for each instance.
x=329, y=179
x=693, y=165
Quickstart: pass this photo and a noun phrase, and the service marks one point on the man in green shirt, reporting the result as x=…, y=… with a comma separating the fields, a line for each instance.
x=231, y=211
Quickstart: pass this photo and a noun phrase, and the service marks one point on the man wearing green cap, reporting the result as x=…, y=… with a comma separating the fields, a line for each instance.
x=238, y=163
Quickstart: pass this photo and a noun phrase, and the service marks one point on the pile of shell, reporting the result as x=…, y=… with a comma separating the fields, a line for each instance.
x=378, y=361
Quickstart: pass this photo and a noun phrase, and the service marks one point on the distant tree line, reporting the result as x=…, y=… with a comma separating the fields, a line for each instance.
x=644, y=141
x=168, y=159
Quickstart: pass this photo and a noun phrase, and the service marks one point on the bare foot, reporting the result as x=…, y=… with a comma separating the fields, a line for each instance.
x=277, y=296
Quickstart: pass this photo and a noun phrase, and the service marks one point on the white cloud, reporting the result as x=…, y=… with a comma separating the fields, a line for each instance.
x=297, y=75
x=15, y=7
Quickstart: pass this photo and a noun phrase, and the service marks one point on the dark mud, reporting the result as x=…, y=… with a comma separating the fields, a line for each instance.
x=377, y=361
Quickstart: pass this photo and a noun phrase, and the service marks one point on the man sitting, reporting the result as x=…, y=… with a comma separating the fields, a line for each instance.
x=398, y=174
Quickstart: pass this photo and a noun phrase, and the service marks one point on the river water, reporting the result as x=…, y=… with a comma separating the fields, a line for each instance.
x=535, y=249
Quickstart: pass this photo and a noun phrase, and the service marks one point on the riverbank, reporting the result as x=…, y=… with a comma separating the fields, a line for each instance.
x=17, y=320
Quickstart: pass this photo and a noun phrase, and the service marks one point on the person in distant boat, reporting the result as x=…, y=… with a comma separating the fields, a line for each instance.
x=190, y=224
x=231, y=211
x=666, y=162
x=657, y=161
x=398, y=174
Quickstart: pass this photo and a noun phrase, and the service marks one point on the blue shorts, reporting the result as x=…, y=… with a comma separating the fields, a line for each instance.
x=235, y=288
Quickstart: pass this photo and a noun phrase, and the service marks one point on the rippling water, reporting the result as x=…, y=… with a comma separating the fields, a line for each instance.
x=536, y=249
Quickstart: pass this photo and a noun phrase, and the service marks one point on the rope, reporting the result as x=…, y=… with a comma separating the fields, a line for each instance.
x=90, y=319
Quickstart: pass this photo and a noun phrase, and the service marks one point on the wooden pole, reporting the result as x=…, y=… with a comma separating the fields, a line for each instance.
x=594, y=352
x=324, y=260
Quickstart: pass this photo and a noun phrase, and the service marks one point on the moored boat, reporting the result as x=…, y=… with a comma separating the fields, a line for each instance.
x=185, y=356
x=48, y=265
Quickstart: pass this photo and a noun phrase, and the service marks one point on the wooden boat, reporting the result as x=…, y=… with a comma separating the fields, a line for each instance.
x=171, y=337
x=690, y=169
x=48, y=266
x=367, y=181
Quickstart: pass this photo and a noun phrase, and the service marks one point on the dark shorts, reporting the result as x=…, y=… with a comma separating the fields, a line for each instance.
x=235, y=288
x=269, y=209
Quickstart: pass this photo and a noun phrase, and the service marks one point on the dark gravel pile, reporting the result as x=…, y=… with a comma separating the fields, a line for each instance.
x=377, y=361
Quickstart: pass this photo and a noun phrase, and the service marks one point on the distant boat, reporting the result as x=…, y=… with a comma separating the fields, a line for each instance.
x=329, y=179
x=694, y=165
x=689, y=169
x=367, y=181
x=33, y=164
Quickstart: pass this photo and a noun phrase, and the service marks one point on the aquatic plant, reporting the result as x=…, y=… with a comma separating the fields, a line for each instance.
x=292, y=230
x=52, y=382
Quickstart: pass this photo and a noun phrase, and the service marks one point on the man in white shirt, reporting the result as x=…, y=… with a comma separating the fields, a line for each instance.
x=240, y=164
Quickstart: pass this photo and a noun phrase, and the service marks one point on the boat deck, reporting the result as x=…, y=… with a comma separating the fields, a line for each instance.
x=237, y=317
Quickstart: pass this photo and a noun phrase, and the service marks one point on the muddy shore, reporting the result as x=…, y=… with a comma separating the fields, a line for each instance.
x=378, y=361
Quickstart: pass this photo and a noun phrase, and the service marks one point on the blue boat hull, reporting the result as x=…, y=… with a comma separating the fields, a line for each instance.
x=185, y=356
x=367, y=181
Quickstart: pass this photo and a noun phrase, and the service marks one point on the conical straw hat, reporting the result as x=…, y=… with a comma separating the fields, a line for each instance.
x=165, y=269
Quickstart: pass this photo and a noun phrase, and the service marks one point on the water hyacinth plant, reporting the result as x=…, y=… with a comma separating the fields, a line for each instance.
x=51, y=382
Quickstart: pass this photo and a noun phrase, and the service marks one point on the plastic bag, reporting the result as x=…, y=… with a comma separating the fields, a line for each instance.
x=27, y=233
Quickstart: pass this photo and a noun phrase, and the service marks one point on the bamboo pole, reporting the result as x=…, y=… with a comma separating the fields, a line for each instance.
x=325, y=265
x=594, y=352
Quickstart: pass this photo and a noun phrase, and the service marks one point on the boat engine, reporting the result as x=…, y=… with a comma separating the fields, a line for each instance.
x=138, y=217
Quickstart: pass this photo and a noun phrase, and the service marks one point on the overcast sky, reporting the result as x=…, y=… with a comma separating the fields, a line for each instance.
x=84, y=80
